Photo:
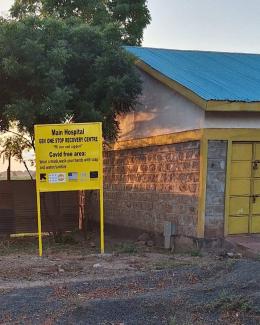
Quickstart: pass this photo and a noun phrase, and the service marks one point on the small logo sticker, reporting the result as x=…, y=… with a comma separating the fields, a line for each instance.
x=93, y=175
x=57, y=178
x=43, y=177
x=83, y=177
x=73, y=176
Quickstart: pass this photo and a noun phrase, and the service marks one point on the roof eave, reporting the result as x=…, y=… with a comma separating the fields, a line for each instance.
x=227, y=106
x=207, y=105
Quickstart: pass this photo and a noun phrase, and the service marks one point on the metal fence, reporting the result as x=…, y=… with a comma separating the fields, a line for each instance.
x=18, y=209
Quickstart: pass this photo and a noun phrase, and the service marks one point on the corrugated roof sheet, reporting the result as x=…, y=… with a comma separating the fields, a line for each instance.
x=211, y=75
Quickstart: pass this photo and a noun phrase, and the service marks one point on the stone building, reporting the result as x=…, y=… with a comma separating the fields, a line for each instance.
x=190, y=153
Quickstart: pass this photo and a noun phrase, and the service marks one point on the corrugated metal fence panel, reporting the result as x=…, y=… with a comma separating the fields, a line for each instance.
x=7, y=215
x=24, y=199
x=59, y=211
x=18, y=213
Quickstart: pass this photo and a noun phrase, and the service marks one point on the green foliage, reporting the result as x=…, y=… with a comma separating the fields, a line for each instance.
x=126, y=248
x=171, y=264
x=228, y=302
x=133, y=16
x=55, y=71
x=130, y=17
x=172, y=321
x=196, y=253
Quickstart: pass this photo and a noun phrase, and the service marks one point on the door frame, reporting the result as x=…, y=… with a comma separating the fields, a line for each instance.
x=229, y=135
x=227, y=189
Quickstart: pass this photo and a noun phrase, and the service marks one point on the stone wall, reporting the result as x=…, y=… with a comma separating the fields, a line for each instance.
x=215, y=191
x=146, y=186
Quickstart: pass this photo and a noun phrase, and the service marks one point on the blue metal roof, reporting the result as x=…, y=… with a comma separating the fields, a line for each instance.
x=211, y=75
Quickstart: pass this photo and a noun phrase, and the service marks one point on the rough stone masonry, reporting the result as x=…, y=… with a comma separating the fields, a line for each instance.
x=147, y=186
x=215, y=193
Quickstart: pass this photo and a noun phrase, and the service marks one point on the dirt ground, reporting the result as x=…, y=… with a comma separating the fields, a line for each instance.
x=130, y=285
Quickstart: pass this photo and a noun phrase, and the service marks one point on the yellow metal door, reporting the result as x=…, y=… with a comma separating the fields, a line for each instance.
x=244, y=196
x=240, y=188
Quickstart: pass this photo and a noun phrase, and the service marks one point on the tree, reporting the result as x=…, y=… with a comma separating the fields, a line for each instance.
x=6, y=154
x=14, y=147
x=54, y=70
x=63, y=61
x=130, y=16
x=133, y=17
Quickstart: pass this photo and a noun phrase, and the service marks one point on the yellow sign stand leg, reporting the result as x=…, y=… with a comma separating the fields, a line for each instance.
x=102, y=235
x=39, y=222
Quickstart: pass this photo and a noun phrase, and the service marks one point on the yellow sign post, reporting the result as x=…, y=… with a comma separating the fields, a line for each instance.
x=68, y=158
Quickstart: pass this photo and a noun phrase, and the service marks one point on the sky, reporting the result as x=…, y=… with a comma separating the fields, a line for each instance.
x=220, y=25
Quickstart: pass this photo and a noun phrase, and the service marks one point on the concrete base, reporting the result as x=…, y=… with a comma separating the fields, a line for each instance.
x=247, y=245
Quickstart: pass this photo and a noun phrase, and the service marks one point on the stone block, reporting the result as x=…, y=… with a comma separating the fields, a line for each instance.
x=214, y=198
x=216, y=152
x=216, y=164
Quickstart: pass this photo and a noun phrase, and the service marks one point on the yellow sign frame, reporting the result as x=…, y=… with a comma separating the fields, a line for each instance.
x=75, y=147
